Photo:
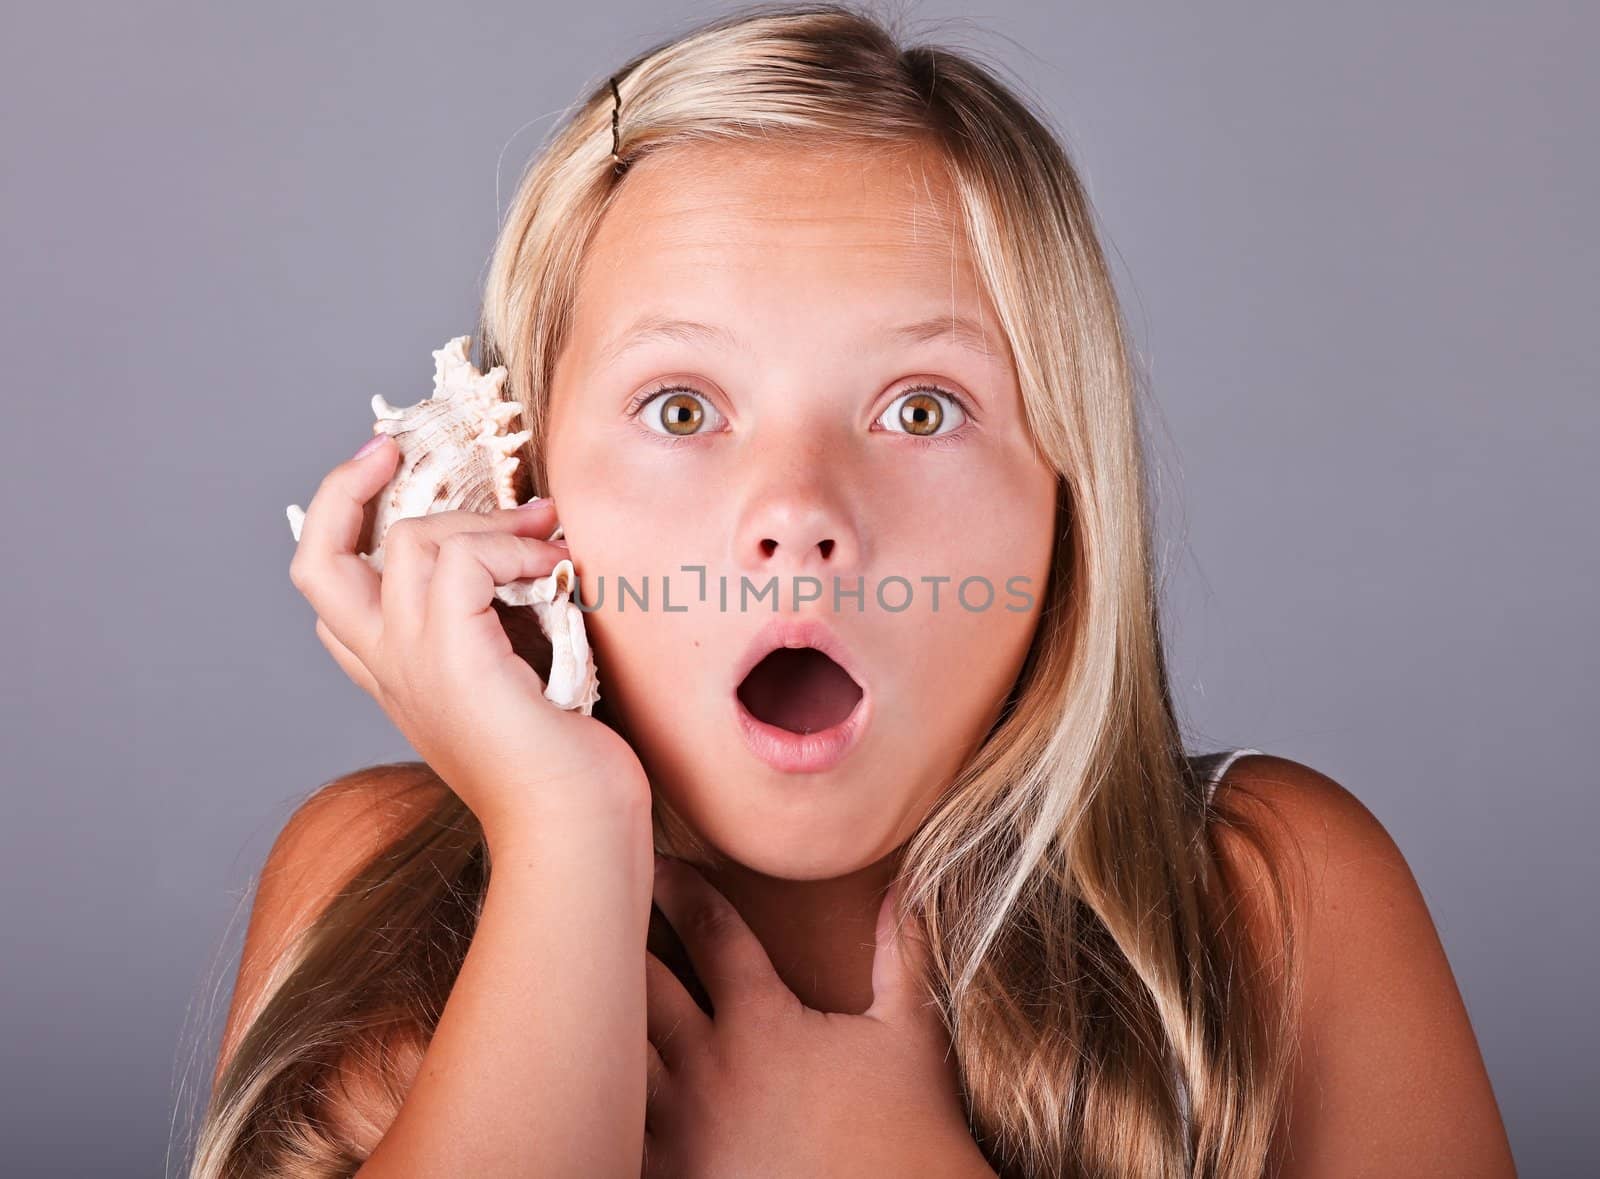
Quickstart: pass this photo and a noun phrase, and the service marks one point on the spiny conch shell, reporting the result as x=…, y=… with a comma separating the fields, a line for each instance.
x=455, y=453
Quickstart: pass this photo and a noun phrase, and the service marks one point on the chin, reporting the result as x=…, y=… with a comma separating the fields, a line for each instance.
x=794, y=762
x=787, y=858
x=794, y=827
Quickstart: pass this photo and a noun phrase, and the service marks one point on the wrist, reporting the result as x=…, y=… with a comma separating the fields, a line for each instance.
x=603, y=828
x=595, y=802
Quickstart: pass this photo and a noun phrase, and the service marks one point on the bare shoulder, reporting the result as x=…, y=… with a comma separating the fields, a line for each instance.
x=319, y=849
x=1389, y=1078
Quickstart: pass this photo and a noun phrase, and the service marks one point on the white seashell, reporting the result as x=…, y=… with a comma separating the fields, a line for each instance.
x=572, y=682
x=455, y=454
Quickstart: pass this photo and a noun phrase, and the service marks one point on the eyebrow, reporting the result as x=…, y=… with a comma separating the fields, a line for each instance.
x=959, y=329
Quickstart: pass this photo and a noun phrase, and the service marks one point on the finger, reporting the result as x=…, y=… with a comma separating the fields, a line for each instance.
x=673, y=1020
x=338, y=583
x=727, y=957
x=347, y=660
x=537, y=517
x=901, y=963
x=411, y=552
x=409, y=555
x=469, y=567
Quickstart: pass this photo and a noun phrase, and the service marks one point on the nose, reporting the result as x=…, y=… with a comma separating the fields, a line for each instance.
x=798, y=522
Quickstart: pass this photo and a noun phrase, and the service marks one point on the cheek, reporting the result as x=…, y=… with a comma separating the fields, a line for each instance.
x=990, y=554
x=998, y=563
x=650, y=526
x=631, y=488
x=621, y=531
x=1018, y=537
x=965, y=655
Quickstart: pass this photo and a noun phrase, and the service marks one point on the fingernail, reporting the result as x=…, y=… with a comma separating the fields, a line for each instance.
x=536, y=502
x=370, y=445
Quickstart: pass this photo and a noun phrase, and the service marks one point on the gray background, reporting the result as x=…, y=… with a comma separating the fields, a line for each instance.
x=1357, y=244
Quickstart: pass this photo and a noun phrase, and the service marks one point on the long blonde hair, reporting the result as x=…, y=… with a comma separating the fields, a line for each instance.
x=1110, y=1015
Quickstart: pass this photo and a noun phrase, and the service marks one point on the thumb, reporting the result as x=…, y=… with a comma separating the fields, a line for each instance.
x=900, y=962
x=366, y=466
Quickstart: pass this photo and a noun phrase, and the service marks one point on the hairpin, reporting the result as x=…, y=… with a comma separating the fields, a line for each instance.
x=616, y=134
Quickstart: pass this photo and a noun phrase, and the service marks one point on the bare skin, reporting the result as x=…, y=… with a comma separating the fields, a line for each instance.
x=1389, y=1080
x=810, y=262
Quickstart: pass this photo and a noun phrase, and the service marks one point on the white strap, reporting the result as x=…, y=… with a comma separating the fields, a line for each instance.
x=1222, y=768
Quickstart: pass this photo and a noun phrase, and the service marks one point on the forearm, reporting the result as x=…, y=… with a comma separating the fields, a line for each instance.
x=537, y=1066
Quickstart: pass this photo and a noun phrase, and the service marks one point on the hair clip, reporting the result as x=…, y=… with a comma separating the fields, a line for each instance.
x=616, y=134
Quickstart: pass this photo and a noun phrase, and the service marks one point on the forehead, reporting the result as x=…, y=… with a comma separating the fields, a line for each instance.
x=757, y=228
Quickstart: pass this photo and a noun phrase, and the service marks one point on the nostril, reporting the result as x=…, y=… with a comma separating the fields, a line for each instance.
x=770, y=546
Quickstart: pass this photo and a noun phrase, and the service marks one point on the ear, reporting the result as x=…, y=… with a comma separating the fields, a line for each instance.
x=900, y=963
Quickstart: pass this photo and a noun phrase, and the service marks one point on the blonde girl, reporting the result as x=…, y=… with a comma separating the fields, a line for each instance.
x=788, y=302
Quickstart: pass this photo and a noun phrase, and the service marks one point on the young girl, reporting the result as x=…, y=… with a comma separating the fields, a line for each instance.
x=788, y=304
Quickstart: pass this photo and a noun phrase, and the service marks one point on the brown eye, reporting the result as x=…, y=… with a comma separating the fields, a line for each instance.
x=681, y=414
x=922, y=413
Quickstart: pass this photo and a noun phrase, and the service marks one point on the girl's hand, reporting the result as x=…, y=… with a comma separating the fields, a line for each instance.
x=773, y=1088
x=425, y=642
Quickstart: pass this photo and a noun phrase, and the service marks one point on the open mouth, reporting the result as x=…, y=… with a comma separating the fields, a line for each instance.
x=799, y=689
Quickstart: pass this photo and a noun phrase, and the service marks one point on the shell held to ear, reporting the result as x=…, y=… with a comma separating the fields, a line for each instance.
x=457, y=454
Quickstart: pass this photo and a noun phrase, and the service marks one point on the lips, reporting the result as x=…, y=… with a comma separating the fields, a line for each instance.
x=800, y=698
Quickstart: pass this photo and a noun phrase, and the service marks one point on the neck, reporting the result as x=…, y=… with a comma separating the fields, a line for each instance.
x=819, y=934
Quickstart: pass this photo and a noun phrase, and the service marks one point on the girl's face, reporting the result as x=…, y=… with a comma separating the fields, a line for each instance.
x=791, y=454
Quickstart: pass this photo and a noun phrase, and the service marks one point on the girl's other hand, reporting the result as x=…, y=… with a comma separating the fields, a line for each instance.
x=768, y=1086
x=426, y=643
